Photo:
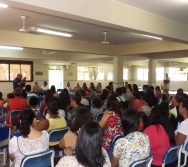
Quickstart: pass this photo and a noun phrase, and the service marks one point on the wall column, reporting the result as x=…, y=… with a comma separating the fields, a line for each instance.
x=152, y=72
x=118, y=71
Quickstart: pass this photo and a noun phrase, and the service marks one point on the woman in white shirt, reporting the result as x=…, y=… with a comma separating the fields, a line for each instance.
x=182, y=130
x=31, y=141
x=89, y=151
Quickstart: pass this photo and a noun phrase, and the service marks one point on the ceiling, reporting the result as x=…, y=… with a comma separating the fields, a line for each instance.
x=91, y=30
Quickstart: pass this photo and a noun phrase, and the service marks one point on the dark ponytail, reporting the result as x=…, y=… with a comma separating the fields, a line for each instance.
x=26, y=117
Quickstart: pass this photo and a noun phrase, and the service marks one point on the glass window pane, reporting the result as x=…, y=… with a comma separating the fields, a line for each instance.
x=160, y=73
x=26, y=71
x=14, y=70
x=4, y=75
x=145, y=74
x=140, y=74
x=125, y=74
x=178, y=74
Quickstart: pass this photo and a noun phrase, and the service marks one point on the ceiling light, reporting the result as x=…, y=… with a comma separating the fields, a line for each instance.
x=153, y=37
x=11, y=47
x=52, y=32
x=2, y=5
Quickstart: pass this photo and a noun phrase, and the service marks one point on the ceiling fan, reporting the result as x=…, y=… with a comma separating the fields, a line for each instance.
x=23, y=29
x=44, y=52
x=105, y=38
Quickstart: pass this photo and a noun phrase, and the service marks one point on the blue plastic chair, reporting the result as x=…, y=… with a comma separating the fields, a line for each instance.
x=145, y=162
x=55, y=136
x=112, y=143
x=14, y=116
x=98, y=116
x=172, y=154
x=4, y=136
x=39, y=160
x=185, y=155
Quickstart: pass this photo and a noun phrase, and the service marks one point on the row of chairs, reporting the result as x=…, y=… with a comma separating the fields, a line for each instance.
x=172, y=155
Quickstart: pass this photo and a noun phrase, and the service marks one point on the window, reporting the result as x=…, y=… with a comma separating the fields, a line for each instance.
x=125, y=74
x=10, y=69
x=142, y=74
x=90, y=73
x=110, y=74
x=178, y=74
x=159, y=73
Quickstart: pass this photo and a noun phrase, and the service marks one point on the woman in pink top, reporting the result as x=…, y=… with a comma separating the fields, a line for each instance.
x=161, y=134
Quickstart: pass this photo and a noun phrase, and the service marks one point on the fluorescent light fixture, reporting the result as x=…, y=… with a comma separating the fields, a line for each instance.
x=153, y=37
x=52, y=32
x=11, y=47
x=2, y=5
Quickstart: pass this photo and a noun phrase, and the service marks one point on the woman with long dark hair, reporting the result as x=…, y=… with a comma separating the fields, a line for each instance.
x=89, y=151
x=134, y=145
x=68, y=142
x=111, y=121
x=31, y=141
x=160, y=132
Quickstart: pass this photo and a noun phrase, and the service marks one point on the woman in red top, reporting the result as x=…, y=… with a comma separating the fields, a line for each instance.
x=16, y=103
x=111, y=121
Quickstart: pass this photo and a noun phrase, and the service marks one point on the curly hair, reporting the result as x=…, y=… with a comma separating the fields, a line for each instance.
x=26, y=117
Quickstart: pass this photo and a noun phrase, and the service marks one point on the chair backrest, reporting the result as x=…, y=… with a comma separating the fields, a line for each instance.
x=39, y=160
x=112, y=143
x=98, y=116
x=57, y=134
x=172, y=154
x=14, y=116
x=145, y=162
x=4, y=133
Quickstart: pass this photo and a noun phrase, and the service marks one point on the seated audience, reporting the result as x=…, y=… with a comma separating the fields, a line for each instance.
x=175, y=116
x=69, y=88
x=1, y=99
x=146, y=102
x=75, y=103
x=54, y=122
x=30, y=142
x=182, y=130
x=96, y=107
x=158, y=94
x=33, y=105
x=36, y=87
x=29, y=93
x=47, y=99
x=144, y=121
x=135, y=88
x=111, y=121
x=45, y=86
x=99, y=88
x=103, y=97
x=68, y=142
x=136, y=103
x=5, y=102
x=53, y=90
x=134, y=145
x=118, y=94
x=85, y=88
x=84, y=101
x=161, y=134
x=61, y=112
x=77, y=88
x=16, y=103
x=89, y=151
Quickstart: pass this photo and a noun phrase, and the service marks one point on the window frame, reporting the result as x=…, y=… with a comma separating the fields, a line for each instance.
x=9, y=62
